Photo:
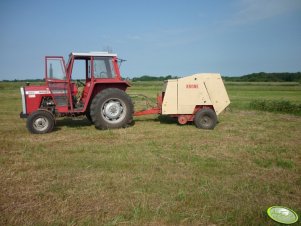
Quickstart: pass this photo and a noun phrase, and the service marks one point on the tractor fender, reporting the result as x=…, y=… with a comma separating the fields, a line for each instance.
x=99, y=87
x=43, y=109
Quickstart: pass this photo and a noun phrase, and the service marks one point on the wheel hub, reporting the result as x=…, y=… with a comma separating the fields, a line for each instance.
x=113, y=110
x=41, y=124
x=206, y=120
x=182, y=119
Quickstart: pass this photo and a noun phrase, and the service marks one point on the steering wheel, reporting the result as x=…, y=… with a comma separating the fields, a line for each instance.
x=102, y=74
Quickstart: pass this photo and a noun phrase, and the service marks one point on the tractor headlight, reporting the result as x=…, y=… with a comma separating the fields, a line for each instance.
x=23, y=100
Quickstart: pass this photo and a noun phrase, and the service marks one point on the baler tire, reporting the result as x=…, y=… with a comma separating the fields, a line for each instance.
x=40, y=122
x=205, y=119
x=112, y=108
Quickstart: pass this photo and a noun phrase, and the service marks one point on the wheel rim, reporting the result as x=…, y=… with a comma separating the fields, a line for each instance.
x=41, y=124
x=206, y=121
x=113, y=110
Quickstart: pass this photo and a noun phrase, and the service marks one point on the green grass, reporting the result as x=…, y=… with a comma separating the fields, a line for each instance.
x=155, y=172
x=283, y=106
x=242, y=95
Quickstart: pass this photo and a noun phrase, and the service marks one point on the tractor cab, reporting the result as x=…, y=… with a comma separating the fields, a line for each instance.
x=70, y=85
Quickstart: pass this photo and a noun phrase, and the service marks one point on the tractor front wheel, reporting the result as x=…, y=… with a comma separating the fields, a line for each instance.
x=112, y=108
x=205, y=119
x=40, y=122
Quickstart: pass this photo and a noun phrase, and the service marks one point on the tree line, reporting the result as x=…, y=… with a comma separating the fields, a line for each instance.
x=24, y=80
x=146, y=78
x=267, y=77
x=254, y=77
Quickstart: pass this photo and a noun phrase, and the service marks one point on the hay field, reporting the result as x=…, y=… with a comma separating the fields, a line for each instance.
x=155, y=172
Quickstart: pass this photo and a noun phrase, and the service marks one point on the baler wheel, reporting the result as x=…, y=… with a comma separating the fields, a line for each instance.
x=205, y=119
x=182, y=119
x=111, y=108
x=40, y=122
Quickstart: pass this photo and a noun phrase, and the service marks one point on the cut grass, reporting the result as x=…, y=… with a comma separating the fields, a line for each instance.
x=154, y=173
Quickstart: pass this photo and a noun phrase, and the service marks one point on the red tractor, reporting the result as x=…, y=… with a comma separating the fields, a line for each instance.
x=101, y=97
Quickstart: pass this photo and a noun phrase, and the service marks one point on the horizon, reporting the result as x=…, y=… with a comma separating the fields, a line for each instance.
x=233, y=38
x=151, y=76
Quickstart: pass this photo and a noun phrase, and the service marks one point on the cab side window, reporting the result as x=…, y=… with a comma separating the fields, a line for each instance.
x=103, y=67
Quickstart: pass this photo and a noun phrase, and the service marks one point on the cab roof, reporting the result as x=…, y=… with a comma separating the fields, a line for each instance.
x=100, y=54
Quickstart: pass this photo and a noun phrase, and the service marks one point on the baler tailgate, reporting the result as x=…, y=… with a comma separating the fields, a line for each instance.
x=217, y=93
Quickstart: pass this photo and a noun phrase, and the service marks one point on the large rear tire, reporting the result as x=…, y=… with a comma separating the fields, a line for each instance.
x=40, y=122
x=112, y=108
x=205, y=119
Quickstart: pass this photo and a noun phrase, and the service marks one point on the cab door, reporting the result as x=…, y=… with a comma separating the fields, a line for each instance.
x=58, y=82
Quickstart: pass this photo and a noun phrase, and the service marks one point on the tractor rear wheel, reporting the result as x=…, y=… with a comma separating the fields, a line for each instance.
x=112, y=108
x=205, y=119
x=40, y=122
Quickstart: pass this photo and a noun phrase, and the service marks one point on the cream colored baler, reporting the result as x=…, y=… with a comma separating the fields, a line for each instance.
x=198, y=98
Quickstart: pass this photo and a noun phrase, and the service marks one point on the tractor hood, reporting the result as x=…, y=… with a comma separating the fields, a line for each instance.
x=32, y=97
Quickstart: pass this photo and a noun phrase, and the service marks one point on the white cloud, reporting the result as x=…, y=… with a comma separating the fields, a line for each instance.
x=250, y=11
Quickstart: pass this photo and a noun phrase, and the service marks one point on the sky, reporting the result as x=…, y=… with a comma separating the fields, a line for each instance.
x=156, y=37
